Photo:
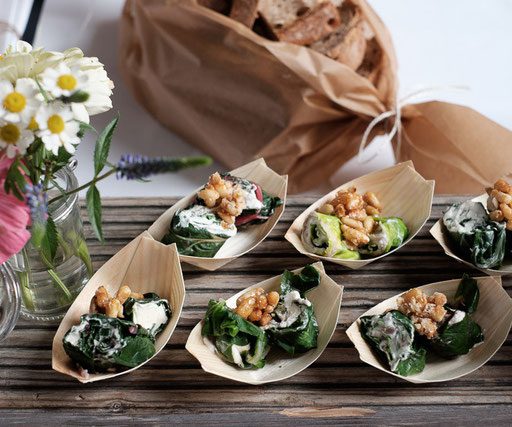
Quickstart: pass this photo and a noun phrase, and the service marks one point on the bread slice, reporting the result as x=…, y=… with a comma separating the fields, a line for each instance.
x=221, y=6
x=313, y=25
x=281, y=13
x=244, y=11
x=347, y=43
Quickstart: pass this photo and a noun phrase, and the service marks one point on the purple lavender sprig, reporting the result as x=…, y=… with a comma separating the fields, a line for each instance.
x=139, y=167
x=37, y=201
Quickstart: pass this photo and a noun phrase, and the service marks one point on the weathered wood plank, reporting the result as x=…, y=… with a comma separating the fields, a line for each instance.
x=336, y=389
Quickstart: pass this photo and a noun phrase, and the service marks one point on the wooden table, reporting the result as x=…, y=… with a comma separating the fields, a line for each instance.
x=337, y=388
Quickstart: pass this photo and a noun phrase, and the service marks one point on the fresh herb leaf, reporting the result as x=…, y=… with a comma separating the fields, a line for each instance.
x=102, y=146
x=94, y=210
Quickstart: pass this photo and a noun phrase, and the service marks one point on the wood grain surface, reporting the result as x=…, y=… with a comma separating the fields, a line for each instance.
x=337, y=388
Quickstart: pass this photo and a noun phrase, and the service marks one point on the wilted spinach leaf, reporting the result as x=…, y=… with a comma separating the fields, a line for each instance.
x=467, y=295
x=100, y=343
x=478, y=239
x=392, y=336
x=457, y=338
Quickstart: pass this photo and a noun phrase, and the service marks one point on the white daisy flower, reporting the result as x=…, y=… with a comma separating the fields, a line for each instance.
x=99, y=86
x=14, y=139
x=19, y=103
x=63, y=80
x=57, y=127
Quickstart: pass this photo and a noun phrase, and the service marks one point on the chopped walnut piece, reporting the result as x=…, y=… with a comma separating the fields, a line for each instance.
x=256, y=305
x=224, y=197
x=102, y=302
x=499, y=203
x=426, y=312
x=355, y=212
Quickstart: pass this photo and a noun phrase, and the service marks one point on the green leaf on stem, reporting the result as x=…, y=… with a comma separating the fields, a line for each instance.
x=94, y=210
x=79, y=96
x=102, y=147
x=49, y=242
x=16, y=180
x=84, y=127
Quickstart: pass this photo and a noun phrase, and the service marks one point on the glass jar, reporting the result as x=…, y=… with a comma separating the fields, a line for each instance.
x=10, y=301
x=48, y=290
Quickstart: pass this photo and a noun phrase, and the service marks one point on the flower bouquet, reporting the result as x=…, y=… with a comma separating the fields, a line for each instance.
x=46, y=99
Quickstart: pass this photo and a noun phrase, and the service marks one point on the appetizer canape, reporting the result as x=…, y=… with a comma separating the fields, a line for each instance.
x=350, y=226
x=263, y=321
x=482, y=234
x=225, y=204
x=422, y=325
x=118, y=333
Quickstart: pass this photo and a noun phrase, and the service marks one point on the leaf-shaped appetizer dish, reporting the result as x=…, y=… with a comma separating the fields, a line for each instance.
x=146, y=266
x=201, y=232
x=478, y=232
x=260, y=350
x=367, y=218
x=421, y=339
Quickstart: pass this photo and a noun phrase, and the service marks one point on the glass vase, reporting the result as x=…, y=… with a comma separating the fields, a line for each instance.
x=47, y=290
x=10, y=301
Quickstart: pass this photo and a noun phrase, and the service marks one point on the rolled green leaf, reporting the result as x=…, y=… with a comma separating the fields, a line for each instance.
x=197, y=231
x=321, y=234
x=479, y=240
x=152, y=312
x=389, y=234
x=100, y=343
x=238, y=341
x=294, y=327
x=392, y=336
x=346, y=253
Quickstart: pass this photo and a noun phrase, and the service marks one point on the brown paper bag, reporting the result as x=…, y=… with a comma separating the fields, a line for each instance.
x=238, y=96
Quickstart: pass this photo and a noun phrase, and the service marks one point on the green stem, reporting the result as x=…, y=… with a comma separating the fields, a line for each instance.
x=60, y=283
x=24, y=277
x=83, y=187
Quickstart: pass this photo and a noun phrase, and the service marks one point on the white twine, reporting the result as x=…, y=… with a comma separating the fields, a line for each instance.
x=397, y=112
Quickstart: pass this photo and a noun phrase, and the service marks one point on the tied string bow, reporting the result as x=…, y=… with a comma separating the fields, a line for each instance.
x=396, y=112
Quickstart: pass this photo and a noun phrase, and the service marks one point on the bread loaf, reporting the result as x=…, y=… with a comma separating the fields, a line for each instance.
x=313, y=25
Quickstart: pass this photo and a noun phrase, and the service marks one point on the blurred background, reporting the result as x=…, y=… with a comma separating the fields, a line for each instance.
x=461, y=42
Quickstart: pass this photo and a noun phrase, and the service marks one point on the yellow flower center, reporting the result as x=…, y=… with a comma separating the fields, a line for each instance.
x=10, y=133
x=55, y=124
x=33, y=126
x=1, y=57
x=15, y=102
x=66, y=82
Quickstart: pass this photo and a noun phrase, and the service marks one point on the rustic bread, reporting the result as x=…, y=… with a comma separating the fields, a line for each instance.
x=313, y=25
x=244, y=11
x=281, y=13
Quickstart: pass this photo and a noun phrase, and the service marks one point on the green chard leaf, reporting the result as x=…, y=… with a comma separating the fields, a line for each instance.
x=467, y=295
x=304, y=281
x=392, y=337
x=457, y=336
x=93, y=199
x=102, y=147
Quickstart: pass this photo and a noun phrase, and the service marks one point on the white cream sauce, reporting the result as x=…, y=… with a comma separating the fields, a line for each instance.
x=203, y=218
x=289, y=310
x=457, y=317
x=150, y=315
x=251, y=201
x=395, y=340
x=74, y=336
x=237, y=351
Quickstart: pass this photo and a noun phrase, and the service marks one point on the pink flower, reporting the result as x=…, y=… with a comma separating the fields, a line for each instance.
x=14, y=218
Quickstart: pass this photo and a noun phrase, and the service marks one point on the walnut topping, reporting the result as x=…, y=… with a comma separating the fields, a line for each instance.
x=356, y=214
x=225, y=198
x=426, y=312
x=499, y=203
x=102, y=302
x=257, y=305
